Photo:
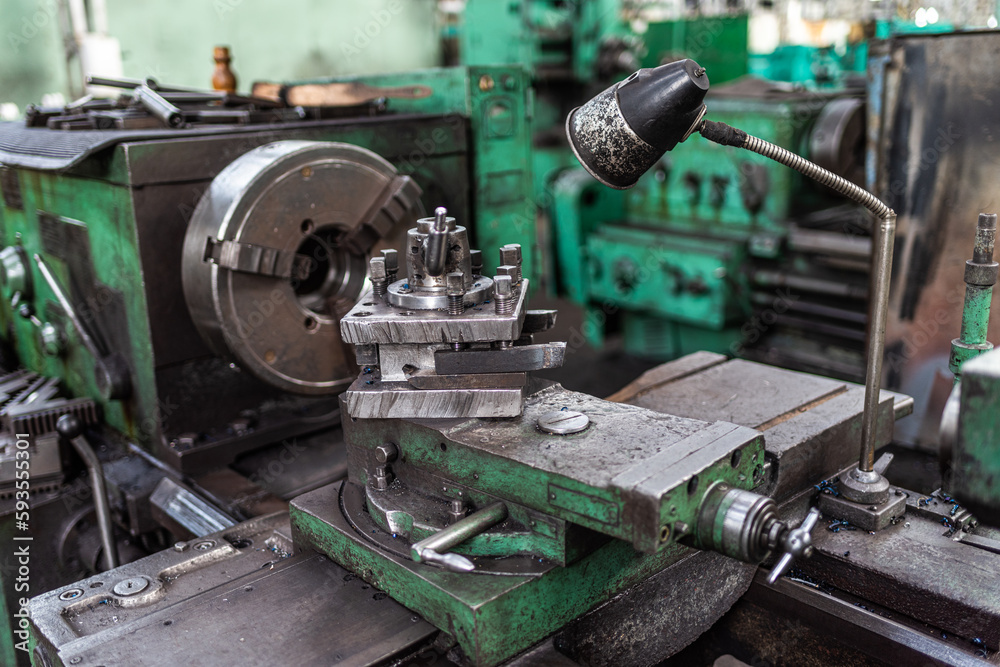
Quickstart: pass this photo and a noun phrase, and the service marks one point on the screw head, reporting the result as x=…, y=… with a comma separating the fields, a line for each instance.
x=377, y=268
x=204, y=545
x=563, y=422
x=386, y=453
x=391, y=258
x=70, y=594
x=455, y=283
x=502, y=285
x=131, y=586
x=511, y=254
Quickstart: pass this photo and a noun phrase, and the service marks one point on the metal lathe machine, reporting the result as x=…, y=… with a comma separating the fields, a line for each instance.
x=274, y=392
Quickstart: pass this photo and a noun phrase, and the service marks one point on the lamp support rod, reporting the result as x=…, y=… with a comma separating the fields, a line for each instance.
x=864, y=484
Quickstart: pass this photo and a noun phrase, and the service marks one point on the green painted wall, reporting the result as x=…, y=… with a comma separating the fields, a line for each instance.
x=172, y=42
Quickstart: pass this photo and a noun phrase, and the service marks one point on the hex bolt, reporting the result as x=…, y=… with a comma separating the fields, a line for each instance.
x=456, y=293
x=391, y=264
x=512, y=271
x=381, y=478
x=386, y=453
x=457, y=511
x=380, y=279
x=503, y=297
x=52, y=340
x=476, y=258
x=510, y=255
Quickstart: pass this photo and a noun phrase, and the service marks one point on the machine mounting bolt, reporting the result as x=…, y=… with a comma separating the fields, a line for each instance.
x=455, y=284
x=380, y=279
x=457, y=511
x=510, y=255
x=503, y=298
x=386, y=453
x=381, y=478
x=391, y=258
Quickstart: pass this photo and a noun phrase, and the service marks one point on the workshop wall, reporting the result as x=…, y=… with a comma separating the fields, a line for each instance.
x=292, y=39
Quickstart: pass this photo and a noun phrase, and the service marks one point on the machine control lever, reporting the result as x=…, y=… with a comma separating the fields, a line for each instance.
x=70, y=428
x=795, y=543
x=110, y=370
x=433, y=549
x=745, y=525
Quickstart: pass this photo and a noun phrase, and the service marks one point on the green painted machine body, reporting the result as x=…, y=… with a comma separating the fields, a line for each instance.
x=588, y=514
x=672, y=253
x=550, y=37
x=100, y=225
x=717, y=43
x=491, y=617
x=976, y=455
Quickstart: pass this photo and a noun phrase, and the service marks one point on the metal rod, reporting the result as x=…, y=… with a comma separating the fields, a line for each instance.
x=878, y=312
x=433, y=548
x=68, y=309
x=436, y=254
x=160, y=108
x=70, y=428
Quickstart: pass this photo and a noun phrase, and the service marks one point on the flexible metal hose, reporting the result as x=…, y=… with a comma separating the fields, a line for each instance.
x=728, y=135
x=819, y=174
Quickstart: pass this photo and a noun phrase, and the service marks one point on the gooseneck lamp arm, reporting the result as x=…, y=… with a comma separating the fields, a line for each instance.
x=864, y=485
x=623, y=131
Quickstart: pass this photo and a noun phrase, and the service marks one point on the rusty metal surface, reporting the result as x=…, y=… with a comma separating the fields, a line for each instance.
x=937, y=163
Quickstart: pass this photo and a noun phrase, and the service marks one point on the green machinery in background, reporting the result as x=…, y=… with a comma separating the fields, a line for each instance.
x=702, y=254
x=99, y=313
x=574, y=49
x=463, y=140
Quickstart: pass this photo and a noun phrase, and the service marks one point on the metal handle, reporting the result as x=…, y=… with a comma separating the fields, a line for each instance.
x=432, y=549
x=795, y=543
x=111, y=372
x=70, y=428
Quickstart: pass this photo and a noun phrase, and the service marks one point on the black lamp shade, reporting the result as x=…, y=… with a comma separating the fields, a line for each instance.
x=622, y=132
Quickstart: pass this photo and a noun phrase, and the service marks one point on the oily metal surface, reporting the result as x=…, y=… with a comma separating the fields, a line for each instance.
x=795, y=624
x=298, y=199
x=242, y=600
x=917, y=569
